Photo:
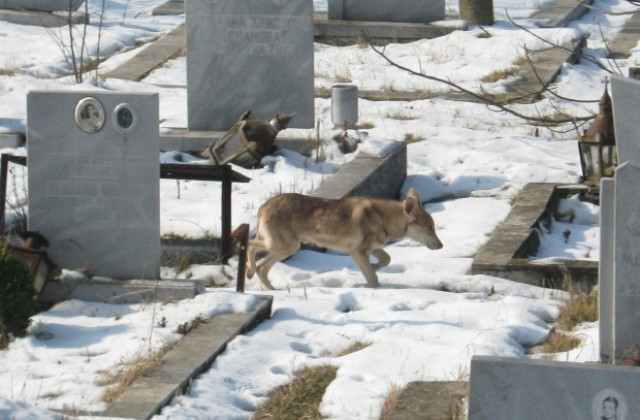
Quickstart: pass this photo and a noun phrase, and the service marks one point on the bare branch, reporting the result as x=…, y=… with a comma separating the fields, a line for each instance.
x=552, y=45
x=482, y=98
x=546, y=88
x=612, y=62
x=102, y=9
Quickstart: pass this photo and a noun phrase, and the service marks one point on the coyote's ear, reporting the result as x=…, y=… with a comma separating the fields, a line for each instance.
x=409, y=205
x=414, y=195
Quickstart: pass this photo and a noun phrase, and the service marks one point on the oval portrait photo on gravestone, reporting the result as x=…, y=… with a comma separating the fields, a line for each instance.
x=124, y=118
x=89, y=115
x=609, y=404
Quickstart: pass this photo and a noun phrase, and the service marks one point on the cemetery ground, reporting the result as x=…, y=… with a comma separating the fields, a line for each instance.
x=467, y=160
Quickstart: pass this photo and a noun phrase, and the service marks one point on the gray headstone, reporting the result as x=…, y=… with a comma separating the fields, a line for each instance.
x=412, y=11
x=249, y=55
x=605, y=268
x=626, y=317
x=625, y=97
x=94, y=180
x=522, y=389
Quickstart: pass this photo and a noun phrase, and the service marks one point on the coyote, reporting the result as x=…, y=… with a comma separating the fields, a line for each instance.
x=359, y=226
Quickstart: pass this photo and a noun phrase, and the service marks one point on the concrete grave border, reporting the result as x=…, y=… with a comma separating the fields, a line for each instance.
x=508, y=251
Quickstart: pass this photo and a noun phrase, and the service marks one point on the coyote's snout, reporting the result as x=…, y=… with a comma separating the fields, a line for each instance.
x=360, y=226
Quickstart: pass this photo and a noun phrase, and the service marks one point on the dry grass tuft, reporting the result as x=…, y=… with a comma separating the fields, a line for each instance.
x=580, y=308
x=391, y=402
x=558, y=342
x=299, y=399
x=127, y=372
x=355, y=347
x=412, y=138
x=343, y=76
x=499, y=75
x=9, y=71
x=400, y=115
x=365, y=125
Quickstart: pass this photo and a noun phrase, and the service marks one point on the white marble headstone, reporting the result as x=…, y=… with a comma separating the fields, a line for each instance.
x=249, y=55
x=94, y=178
x=626, y=303
x=625, y=100
x=524, y=389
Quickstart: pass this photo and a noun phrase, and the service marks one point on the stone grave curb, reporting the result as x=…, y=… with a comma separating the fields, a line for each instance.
x=11, y=140
x=438, y=400
x=339, y=32
x=153, y=56
x=561, y=13
x=367, y=175
x=627, y=38
x=191, y=356
x=44, y=19
x=507, y=252
x=103, y=289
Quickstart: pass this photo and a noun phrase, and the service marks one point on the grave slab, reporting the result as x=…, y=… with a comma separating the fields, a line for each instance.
x=368, y=175
x=625, y=97
x=94, y=180
x=102, y=289
x=523, y=389
x=44, y=19
x=42, y=5
x=412, y=11
x=626, y=335
x=249, y=55
x=12, y=140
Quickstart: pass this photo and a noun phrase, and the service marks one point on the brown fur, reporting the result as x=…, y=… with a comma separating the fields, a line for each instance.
x=360, y=226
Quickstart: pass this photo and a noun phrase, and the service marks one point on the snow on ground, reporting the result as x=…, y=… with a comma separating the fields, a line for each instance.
x=429, y=317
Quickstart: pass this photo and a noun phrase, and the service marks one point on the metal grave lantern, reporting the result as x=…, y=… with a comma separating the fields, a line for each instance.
x=248, y=141
x=597, y=145
x=39, y=264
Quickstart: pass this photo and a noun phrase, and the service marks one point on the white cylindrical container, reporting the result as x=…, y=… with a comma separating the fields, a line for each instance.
x=344, y=106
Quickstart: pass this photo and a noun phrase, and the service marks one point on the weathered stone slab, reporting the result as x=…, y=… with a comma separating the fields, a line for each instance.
x=523, y=389
x=102, y=289
x=606, y=268
x=249, y=55
x=413, y=11
x=43, y=19
x=368, y=175
x=625, y=97
x=94, y=180
x=626, y=334
x=42, y=5
x=11, y=140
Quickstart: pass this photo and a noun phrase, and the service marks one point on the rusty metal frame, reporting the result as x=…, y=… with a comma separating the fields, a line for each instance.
x=222, y=173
